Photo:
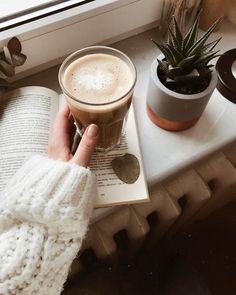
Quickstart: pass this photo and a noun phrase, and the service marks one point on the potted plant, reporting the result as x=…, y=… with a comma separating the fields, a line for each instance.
x=10, y=58
x=181, y=79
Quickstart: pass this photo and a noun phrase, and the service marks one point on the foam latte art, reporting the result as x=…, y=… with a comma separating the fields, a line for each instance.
x=98, y=78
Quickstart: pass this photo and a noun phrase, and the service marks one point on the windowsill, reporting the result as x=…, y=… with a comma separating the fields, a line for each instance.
x=166, y=153
x=48, y=40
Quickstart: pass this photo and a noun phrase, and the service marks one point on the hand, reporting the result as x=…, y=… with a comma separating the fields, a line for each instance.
x=62, y=136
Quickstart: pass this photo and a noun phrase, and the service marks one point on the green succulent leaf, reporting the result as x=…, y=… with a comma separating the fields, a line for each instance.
x=163, y=66
x=191, y=36
x=204, y=71
x=177, y=32
x=205, y=58
x=6, y=68
x=157, y=44
x=175, y=41
x=171, y=41
x=176, y=71
x=185, y=67
x=186, y=62
x=177, y=56
x=166, y=52
x=171, y=56
x=210, y=46
x=197, y=47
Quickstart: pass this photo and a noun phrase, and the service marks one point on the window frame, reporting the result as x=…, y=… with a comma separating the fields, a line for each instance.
x=99, y=22
x=29, y=13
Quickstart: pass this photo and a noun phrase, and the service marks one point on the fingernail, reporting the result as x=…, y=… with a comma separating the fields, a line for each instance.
x=92, y=130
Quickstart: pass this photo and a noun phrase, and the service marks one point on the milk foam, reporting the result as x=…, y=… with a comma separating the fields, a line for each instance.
x=98, y=78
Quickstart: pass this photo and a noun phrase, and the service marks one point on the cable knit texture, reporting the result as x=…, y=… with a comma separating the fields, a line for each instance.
x=44, y=215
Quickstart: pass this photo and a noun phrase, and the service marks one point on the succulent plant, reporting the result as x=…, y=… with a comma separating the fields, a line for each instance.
x=185, y=68
x=10, y=57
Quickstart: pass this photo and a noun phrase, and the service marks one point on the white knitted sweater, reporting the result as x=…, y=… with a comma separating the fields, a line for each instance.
x=44, y=215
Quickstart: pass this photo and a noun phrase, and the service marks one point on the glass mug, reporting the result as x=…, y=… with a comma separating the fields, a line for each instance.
x=110, y=116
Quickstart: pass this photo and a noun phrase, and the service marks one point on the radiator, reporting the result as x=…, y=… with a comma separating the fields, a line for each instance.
x=190, y=196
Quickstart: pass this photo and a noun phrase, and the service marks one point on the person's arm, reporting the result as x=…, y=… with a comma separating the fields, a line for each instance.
x=44, y=214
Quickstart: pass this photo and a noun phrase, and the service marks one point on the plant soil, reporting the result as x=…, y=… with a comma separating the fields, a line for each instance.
x=188, y=87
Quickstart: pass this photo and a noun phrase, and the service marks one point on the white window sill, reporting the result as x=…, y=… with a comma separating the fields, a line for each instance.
x=15, y=12
x=166, y=153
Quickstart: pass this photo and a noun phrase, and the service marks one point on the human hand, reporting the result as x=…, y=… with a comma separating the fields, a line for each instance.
x=62, y=136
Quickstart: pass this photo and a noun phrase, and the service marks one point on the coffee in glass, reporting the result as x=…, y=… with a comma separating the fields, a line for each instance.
x=98, y=85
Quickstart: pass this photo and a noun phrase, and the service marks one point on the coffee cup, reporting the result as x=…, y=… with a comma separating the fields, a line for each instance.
x=98, y=84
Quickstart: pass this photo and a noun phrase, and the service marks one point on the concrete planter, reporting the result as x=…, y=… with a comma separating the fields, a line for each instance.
x=175, y=111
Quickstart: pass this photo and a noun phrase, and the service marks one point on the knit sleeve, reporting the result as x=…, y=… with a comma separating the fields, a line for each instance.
x=44, y=214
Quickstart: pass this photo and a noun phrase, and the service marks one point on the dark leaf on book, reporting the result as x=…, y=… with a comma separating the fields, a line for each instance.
x=14, y=46
x=126, y=168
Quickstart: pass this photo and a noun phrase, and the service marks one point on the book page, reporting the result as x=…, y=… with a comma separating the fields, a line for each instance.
x=26, y=119
x=111, y=189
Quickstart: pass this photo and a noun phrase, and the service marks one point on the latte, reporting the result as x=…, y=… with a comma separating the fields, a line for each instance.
x=99, y=88
x=98, y=78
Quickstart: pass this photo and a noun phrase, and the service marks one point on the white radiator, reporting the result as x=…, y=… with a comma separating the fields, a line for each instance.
x=190, y=196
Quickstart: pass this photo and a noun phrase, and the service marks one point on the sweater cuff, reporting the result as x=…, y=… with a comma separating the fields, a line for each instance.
x=59, y=195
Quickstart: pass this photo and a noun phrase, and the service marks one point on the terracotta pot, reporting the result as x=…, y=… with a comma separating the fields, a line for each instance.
x=171, y=110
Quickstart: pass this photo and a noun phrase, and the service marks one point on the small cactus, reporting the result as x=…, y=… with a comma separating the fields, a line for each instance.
x=185, y=68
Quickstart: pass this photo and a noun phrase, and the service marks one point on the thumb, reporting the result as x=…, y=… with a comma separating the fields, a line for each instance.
x=86, y=147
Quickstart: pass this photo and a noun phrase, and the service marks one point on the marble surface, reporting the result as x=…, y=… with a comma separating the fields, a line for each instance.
x=166, y=153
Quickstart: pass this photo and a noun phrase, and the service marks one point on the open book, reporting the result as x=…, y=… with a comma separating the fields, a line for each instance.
x=26, y=120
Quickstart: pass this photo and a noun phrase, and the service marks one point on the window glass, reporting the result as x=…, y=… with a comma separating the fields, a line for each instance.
x=15, y=12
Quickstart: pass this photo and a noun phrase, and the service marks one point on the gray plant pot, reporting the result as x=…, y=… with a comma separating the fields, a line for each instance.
x=175, y=111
